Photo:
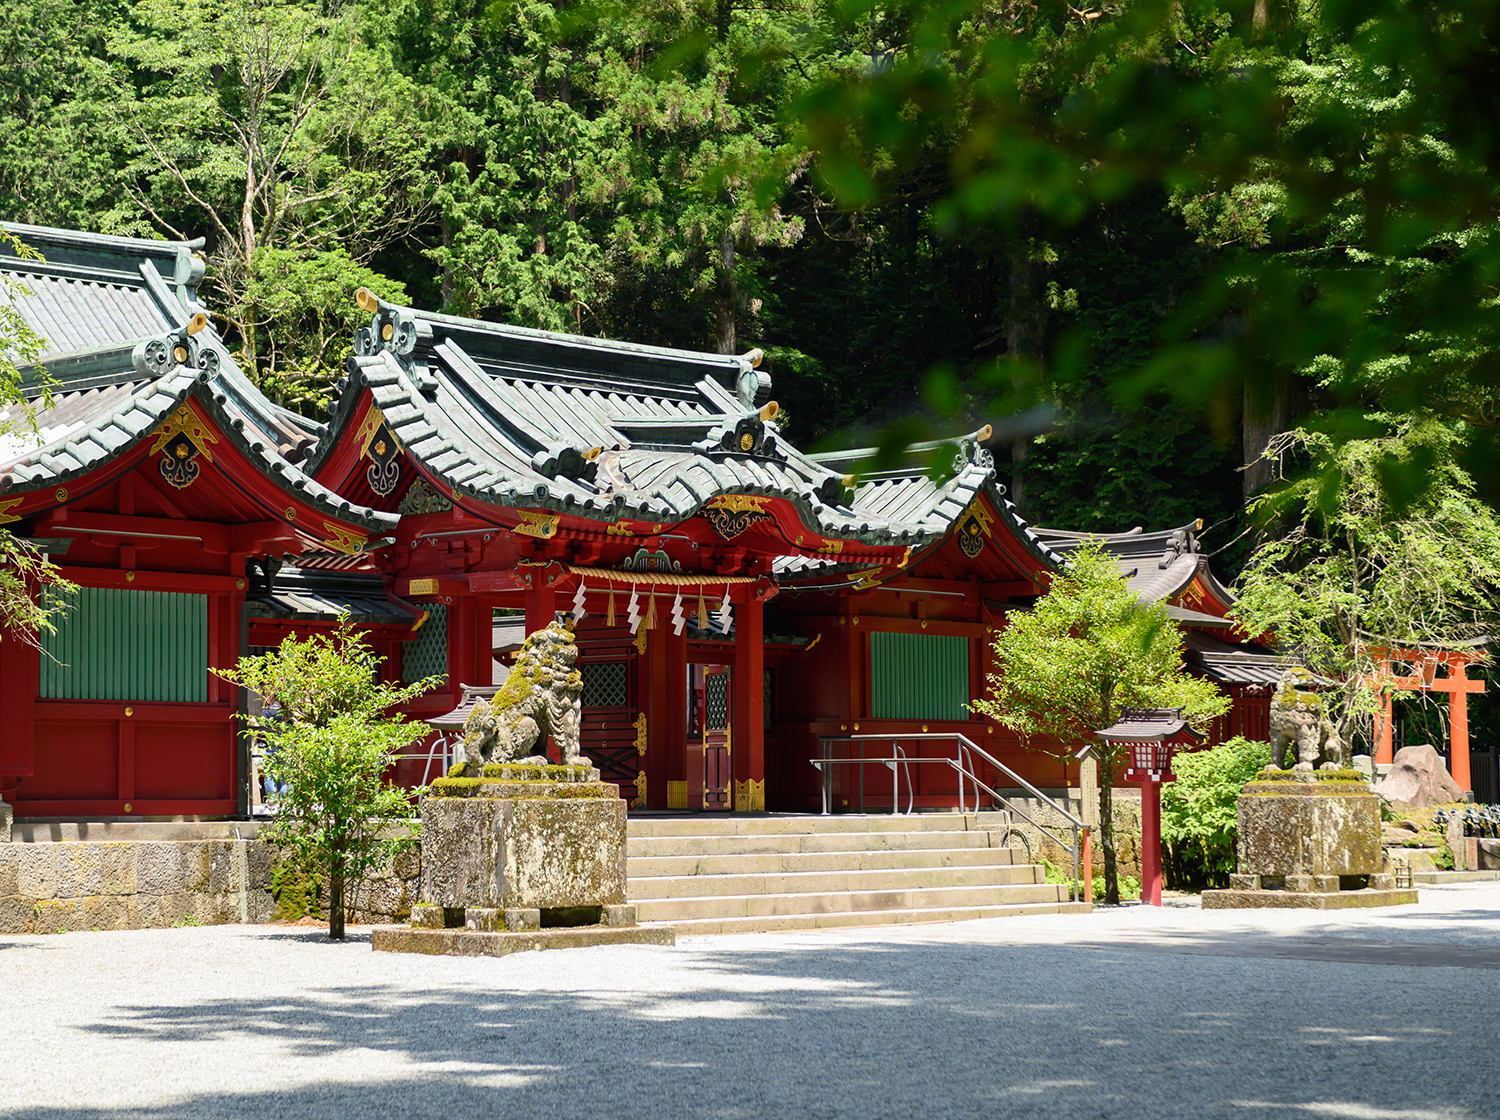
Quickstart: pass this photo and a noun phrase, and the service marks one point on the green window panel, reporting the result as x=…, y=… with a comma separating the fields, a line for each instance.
x=428, y=655
x=120, y=644
x=919, y=676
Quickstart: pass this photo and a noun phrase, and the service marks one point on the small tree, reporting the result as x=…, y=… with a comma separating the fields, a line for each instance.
x=33, y=593
x=1087, y=649
x=1388, y=545
x=332, y=744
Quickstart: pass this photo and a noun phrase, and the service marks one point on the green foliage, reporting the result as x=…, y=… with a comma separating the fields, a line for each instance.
x=1353, y=567
x=305, y=315
x=333, y=745
x=187, y=921
x=1199, y=811
x=33, y=593
x=1087, y=649
x=1130, y=886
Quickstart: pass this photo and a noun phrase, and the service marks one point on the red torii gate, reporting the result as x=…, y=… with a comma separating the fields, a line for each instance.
x=1454, y=681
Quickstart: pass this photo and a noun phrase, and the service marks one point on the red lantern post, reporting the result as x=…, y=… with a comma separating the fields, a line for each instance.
x=1151, y=736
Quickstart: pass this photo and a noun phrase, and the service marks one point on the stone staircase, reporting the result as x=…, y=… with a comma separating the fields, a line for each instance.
x=736, y=874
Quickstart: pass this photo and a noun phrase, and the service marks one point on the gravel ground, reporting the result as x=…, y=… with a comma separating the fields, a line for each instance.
x=1381, y=1015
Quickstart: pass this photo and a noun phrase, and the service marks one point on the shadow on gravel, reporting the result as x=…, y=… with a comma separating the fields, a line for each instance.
x=879, y=1030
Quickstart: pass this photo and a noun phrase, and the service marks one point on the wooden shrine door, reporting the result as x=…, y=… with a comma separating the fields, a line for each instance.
x=717, y=772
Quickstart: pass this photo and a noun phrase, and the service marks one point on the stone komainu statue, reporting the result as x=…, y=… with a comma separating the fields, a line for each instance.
x=541, y=696
x=1298, y=721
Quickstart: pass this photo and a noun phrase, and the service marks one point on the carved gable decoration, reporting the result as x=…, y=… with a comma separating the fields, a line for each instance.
x=973, y=527
x=646, y=561
x=376, y=440
x=422, y=498
x=181, y=440
x=732, y=514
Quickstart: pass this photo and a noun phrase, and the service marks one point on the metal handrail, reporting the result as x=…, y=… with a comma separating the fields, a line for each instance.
x=964, y=766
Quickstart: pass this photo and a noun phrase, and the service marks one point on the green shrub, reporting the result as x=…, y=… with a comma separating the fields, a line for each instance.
x=1130, y=886
x=1199, y=812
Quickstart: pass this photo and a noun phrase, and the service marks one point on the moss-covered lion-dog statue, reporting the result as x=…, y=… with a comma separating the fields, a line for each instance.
x=541, y=697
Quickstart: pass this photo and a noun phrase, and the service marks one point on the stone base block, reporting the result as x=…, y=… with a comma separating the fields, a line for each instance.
x=622, y=915
x=7, y=818
x=1324, y=884
x=1383, y=882
x=524, y=853
x=1239, y=882
x=1298, y=829
x=484, y=919
x=473, y=943
x=1305, y=900
x=524, y=919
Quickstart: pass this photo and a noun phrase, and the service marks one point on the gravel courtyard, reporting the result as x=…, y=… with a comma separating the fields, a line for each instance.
x=1383, y=1015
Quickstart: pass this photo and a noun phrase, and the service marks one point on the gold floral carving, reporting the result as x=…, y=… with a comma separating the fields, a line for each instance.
x=6, y=517
x=732, y=514
x=831, y=547
x=340, y=539
x=640, y=734
x=533, y=524
x=640, y=790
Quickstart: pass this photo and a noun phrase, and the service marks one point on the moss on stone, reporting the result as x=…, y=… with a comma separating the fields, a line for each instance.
x=1270, y=774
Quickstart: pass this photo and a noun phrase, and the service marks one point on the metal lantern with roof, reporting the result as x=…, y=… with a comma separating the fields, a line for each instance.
x=1151, y=736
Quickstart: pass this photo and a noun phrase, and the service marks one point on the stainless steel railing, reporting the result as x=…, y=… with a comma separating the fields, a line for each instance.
x=962, y=761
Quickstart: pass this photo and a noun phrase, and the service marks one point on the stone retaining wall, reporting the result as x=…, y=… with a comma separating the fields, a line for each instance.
x=61, y=886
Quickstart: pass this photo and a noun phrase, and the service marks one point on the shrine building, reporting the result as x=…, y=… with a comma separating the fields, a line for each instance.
x=743, y=610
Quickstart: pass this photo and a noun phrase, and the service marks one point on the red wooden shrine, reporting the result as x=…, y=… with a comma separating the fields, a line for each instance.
x=735, y=600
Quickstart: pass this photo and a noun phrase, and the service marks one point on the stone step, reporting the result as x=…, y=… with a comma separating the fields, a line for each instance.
x=769, y=863
x=709, y=926
x=43, y=830
x=1439, y=878
x=824, y=882
x=788, y=842
x=833, y=902
x=804, y=824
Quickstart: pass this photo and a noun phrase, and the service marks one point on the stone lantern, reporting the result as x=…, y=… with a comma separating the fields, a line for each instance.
x=1150, y=737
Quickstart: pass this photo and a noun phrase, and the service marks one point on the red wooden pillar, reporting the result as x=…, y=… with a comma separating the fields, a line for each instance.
x=748, y=724
x=541, y=607
x=666, y=734
x=1383, y=744
x=1151, y=843
x=1458, y=734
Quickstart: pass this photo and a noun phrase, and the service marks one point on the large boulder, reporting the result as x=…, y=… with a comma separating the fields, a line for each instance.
x=1418, y=779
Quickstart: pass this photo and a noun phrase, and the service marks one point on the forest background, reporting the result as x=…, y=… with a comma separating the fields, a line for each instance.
x=1140, y=237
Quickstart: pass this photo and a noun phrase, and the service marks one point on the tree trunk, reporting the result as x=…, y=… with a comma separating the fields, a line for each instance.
x=1265, y=416
x=727, y=295
x=1025, y=324
x=336, y=905
x=1107, y=836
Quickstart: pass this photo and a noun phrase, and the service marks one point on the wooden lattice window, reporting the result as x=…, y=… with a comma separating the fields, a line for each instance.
x=605, y=684
x=122, y=644
x=428, y=655
x=716, y=700
x=919, y=676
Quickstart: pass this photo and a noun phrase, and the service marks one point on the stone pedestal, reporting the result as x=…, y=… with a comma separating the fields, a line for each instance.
x=526, y=857
x=1308, y=841
x=7, y=819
